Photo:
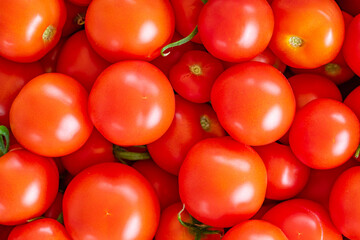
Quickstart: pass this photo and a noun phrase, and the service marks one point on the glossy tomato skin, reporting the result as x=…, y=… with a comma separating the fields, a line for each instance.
x=303, y=219
x=110, y=201
x=192, y=123
x=13, y=76
x=46, y=228
x=246, y=28
x=254, y=103
x=49, y=116
x=31, y=186
x=36, y=32
x=307, y=34
x=344, y=210
x=253, y=229
x=136, y=33
x=222, y=182
x=77, y=59
x=139, y=105
x=352, y=101
x=352, y=46
x=324, y=133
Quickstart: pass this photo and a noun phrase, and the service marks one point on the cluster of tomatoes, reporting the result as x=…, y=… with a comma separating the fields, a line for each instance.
x=179, y=119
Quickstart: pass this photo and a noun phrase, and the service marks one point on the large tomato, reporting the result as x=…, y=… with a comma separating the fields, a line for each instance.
x=132, y=103
x=222, y=182
x=352, y=45
x=307, y=33
x=29, y=29
x=121, y=29
x=236, y=30
x=49, y=116
x=254, y=103
x=110, y=201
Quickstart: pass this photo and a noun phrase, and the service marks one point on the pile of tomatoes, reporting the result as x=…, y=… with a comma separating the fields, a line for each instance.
x=179, y=119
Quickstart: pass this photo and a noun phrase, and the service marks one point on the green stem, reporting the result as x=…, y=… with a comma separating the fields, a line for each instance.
x=122, y=154
x=35, y=218
x=60, y=218
x=204, y=1
x=4, y=135
x=179, y=43
x=357, y=152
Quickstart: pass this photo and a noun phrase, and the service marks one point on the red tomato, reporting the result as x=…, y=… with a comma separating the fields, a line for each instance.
x=307, y=33
x=49, y=115
x=343, y=205
x=352, y=45
x=255, y=229
x=171, y=229
x=75, y=18
x=303, y=219
x=192, y=123
x=193, y=75
x=77, y=59
x=46, y=228
x=254, y=103
x=324, y=134
x=110, y=201
x=352, y=101
x=121, y=29
x=13, y=76
x=236, y=30
x=222, y=182
x=31, y=186
x=30, y=29
x=132, y=103
x=287, y=176
x=164, y=183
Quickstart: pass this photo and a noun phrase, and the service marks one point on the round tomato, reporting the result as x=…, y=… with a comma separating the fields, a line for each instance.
x=122, y=29
x=236, y=30
x=49, y=116
x=254, y=103
x=30, y=29
x=352, y=45
x=352, y=101
x=132, y=103
x=222, y=182
x=110, y=201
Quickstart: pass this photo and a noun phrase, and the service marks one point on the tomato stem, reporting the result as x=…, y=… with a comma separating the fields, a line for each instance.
x=80, y=19
x=357, y=152
x=205, y=123
x=179, y=43
x=333, y=69
x=4, y=140
x=204, y=1
x=296, y=41
x=122, y=154
x=34, y=219
x=49, y=33
x=60, y=218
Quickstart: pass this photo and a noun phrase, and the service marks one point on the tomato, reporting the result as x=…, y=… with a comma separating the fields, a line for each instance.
x=344, y=210
x=170, y=227
x=49, y=115
x=77, y=59
x=192, y=123
x=31, y=186
x=110, y=201
x=193, y=75
x=75, y=18
x=352, y=101
x=13, y=76
x=254, y=103
x=307, y=34
x=45, y=228
x=246, y=28
x=164, y=183
x=255, y=229
x=30, y=31
x=121, y=29
x=132, y=103
x=351, y=45
x=287, y=176
x=222, y=182
x=324, y=134
x=303, y=219
x=95, y=150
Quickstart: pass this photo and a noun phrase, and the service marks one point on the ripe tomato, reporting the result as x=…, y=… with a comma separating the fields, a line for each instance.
x=222, y=182
x=121, y=29
x=352, y=101
x=45, y=228
x=31, y=181
x=307, y=34
x=49, y=115
x=324, y=133
x=352, y=45
x=30, y=29
x=254, y=103
x=110, y=201
x=132, y=103
x=236, y=30
x=303, y=219
x=255, y=229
